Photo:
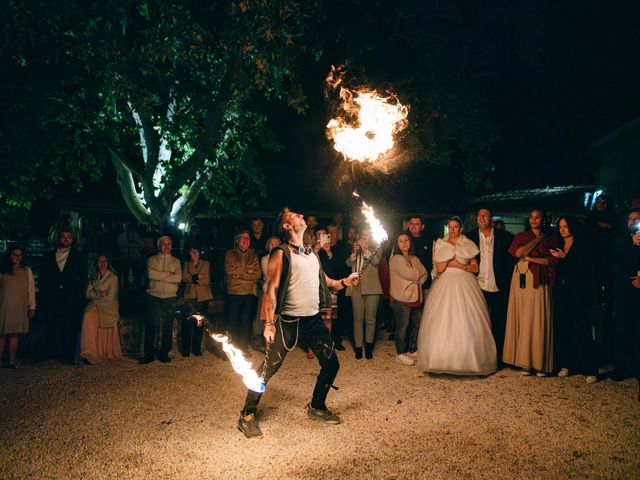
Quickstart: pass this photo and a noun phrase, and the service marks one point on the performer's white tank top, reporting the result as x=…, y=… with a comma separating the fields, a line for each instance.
x=303, y=297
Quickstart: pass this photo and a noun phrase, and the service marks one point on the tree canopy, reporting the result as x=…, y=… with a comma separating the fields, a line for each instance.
x=166, y=91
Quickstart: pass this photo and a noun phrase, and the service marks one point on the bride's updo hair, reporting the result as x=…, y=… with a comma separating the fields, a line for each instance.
x=455, y=218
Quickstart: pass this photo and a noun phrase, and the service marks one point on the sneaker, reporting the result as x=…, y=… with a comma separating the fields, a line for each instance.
x=339, y=346
x=591, y=379
x=413, y=355
x=249, y=426
x=324, y=415
x=310, y=355
x=541, y=374
x=145, y=360
x=405, y=359
x=563, y=373
x=526, y=372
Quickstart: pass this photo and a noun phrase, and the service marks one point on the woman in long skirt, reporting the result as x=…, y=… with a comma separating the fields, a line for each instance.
x=99, y=339
x=529, y=334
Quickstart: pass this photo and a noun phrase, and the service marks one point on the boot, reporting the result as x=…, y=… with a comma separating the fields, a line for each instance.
x=368, y=351
x=358, y=351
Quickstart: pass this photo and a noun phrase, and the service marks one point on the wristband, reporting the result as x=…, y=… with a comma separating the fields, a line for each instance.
x=270, y=324
x=344, y=285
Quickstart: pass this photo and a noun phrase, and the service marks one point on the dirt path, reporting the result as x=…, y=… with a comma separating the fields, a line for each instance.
x=177, y=421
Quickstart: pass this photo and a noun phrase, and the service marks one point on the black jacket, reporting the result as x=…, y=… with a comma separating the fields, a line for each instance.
x=56, y=287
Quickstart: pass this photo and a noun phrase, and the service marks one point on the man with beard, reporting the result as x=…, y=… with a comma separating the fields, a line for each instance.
x=297, y=289
x=62, y=280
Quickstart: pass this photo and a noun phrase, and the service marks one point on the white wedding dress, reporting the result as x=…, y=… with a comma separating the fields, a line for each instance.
x=455, y=331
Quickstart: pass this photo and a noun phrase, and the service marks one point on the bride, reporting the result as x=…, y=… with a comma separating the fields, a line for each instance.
x=455, y=332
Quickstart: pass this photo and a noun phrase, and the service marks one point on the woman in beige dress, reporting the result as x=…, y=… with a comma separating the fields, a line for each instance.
x=99, y=339
x=196, y=275
x=528, y=340
x=17, y=301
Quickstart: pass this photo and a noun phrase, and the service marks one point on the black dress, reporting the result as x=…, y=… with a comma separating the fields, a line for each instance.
x=574, y=295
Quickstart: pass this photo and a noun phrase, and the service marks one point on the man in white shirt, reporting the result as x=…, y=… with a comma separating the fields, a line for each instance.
x=495, y=270
x=165, y=274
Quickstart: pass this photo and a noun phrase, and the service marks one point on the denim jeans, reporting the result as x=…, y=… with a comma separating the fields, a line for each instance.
x=407, y=322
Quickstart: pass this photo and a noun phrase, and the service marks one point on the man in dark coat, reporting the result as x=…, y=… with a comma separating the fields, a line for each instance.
x=495, y=270
x=62, y=280
x=625, y=264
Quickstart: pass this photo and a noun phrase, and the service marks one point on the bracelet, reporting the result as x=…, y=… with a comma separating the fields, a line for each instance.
x=270, y=324
x=344, y=285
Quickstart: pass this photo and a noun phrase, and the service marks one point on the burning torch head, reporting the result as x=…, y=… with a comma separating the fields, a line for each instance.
x=250, y=377
x=197, y=318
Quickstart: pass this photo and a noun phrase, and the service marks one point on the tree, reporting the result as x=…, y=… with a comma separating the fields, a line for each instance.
x=169, y=92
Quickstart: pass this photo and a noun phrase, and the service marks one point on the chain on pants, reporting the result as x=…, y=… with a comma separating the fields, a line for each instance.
x=310, y=331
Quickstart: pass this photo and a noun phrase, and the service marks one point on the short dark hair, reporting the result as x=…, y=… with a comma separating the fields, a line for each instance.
x=633, y=210
x=237, y=236
x=419, y=217
x=607, y=198
x=485, y=208
x=280, y=223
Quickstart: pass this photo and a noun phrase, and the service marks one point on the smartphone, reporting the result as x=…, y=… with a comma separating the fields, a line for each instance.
x=325, y=239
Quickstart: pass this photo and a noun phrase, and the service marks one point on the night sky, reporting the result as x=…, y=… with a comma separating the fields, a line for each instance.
x=556, y=76
x=552, y=76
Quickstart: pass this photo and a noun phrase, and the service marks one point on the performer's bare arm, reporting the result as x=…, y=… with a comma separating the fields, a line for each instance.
x=267, y=313
x=337, y=285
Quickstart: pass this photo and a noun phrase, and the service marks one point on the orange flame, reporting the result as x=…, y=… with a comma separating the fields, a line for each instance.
x=370, y=122
x=378, y=232
x=243, y=367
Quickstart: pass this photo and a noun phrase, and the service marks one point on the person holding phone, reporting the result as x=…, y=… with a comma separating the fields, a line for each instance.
x=364, y=259
x=573, y=313
x=528, y=341
x=625, y=264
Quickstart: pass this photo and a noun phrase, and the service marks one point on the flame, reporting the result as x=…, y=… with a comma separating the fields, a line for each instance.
x=378, y=232
x=198, y=318
x=249, y=376
x=365, y=133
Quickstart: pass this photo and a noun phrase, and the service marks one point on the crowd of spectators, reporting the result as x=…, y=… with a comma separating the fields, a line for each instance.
x=563, y=295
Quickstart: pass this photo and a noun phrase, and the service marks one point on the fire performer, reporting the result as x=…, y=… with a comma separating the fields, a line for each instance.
x=297, y=289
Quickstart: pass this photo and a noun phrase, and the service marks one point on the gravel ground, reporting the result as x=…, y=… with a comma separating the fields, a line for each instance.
x=124, y=420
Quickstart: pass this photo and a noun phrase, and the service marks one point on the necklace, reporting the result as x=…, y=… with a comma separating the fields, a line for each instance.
x=301, y=249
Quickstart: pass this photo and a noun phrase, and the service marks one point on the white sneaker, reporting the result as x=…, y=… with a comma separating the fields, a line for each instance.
x=591, y=379
x=405, y=359
x=413, y=355
x=563, y=373
x=541, y=374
